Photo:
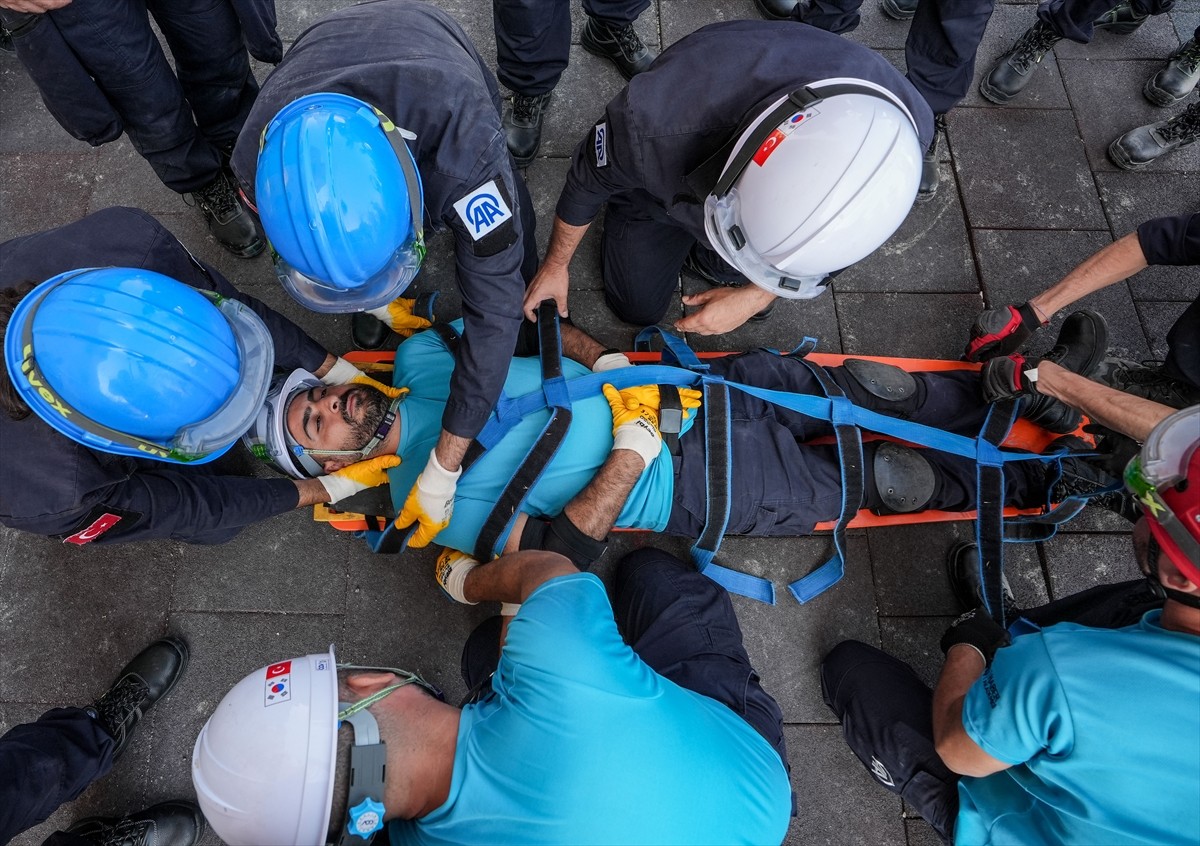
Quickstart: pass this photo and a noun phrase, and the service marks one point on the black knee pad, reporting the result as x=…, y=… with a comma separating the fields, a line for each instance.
x=562, y=536
x=880, y=381
x=904, y=479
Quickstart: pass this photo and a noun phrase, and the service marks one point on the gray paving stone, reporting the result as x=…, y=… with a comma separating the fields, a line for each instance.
x=787, y=641
x=36, y=129
x=909, y=564
x=1185, y=20
x=920, y=833
x=914, y=640
x=248, y=573
x=837, y=800
x=64, y=184
x=585, y=88
x=882, y=324
x=545, y=179
x=590, y=313
x=1030, y=190
x=928, y=253
x=1044, y=91
x=1078, y=562
x=1108, y=102
x=70, y=612
x=680, y=17
x=1017, y=265
x=124, y=178
x=1154, y=39
x=1157, y=320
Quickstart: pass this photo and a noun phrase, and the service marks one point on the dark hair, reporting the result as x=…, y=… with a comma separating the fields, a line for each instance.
x=10, y=400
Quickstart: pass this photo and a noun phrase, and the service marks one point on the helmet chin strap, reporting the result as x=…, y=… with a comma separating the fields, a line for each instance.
x=368, y=764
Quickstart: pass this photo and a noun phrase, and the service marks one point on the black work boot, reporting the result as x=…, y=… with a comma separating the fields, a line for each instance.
x=1084, y=476
x=1121, y=19
x=1145, y=144
x=899, y=10
x=176, y=823
x=1178, y=78
x=1080, y=348
x=619, y=44
x=523, y=126
x=145, y=680
x=229, y=221
x=776, y=10
x=929, y=162
x=1147, y=380
x=1014, y=69
x=962, y=568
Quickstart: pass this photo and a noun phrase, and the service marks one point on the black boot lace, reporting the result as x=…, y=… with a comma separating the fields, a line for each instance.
x=121, y=706
x=1032, y=45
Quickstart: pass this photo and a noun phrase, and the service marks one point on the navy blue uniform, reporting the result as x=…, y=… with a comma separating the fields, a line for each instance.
x=695, y=99
x=52, y=485
x=100, y=69
x=533, y=38
x=416, y=65
x=1176, y=241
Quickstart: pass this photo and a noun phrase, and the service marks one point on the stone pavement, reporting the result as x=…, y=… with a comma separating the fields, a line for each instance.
x=1026, y=194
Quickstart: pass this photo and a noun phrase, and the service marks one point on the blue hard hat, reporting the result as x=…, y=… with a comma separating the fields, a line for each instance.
x=340, y=200
x=135, y=363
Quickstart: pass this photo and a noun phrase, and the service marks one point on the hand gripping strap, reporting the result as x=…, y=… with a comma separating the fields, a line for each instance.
x=850, y=457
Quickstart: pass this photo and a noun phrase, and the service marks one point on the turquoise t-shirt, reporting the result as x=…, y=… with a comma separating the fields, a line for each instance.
x=424, y=364
x=1103, y=729
x=582, y=742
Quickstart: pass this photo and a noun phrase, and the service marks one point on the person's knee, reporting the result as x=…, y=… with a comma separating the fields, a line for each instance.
x=642, y=311
x=643, y=563
x=840, y=662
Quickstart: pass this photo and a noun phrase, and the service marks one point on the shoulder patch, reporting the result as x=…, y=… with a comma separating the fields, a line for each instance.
x=484, y=210
x=600, y=143
x=99, y=521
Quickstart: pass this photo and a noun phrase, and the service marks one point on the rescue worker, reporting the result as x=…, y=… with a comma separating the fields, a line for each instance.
x=389, y=111
x=612, y=468
x=1082, y=731
x=1173, y=241
x=750, y=152
x=533, y=44
x=171, y=367
x=52, y=760
x=639, y=721
x=100, y=70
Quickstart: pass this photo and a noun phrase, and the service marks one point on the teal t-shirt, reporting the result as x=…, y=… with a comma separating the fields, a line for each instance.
x=1103, y=729
x=581, y=742
x=424, y=365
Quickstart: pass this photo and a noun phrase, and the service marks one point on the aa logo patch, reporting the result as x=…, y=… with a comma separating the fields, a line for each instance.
x=483, y=210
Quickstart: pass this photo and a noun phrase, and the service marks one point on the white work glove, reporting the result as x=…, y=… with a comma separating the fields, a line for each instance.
x=611, y=361
x=451, y=573
x=358, y=477
x=430, y=502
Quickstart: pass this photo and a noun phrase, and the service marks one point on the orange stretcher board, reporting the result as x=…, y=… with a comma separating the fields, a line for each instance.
x=1024, y=435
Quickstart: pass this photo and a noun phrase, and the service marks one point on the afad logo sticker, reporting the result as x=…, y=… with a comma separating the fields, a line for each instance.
x=483, y=210
x=779, y=133
x=278, y=685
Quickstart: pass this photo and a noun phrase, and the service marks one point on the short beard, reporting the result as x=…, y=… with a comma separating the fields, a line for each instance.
x=375, y=405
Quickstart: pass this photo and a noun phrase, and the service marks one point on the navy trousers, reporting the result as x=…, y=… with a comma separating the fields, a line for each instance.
x=945, y=34
x=681, y=624
x=782, y=485
x=178, y=121
x=46, y=763
x=1183, y=342
x=886, y=711
x=533, y=38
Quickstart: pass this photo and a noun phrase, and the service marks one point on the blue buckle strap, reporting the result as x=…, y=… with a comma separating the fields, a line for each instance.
x=675, y=349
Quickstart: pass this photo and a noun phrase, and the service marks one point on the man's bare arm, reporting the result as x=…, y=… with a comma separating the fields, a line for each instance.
x=553, y=277
x=578, y=345
x=1119, y=260
x=964, y=665
x=1121, y=412
x=513, y=577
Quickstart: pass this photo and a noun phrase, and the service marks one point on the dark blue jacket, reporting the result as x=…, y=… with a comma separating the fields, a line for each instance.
x=414, y=63
x=696, y=98
x=51, y=485
x=1171, y=240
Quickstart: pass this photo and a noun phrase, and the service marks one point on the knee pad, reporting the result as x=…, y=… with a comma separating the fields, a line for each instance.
x=904, y=479
x=562, y=536
x=883, y=381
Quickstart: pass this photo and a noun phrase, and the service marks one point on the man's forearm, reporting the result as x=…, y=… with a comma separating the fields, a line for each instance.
x=578, y=345
x=595, y=509
x=1119, y=260
x=311, y=492
x=564, y=241
x=1121, y=412
x=513, y=577
x=450, y=450
x=962, y=669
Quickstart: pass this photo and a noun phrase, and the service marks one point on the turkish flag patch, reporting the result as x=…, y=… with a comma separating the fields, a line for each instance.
x=99, y=521
x=768, y=147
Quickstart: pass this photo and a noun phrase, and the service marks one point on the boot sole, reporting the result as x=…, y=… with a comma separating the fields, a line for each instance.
x=895, y=12
x=1158, y=96
x=1116, y=154
x=1120, y=29
x=995, y=96
x=246, y=252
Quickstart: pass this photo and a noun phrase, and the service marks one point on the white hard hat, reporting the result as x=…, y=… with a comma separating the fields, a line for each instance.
x=263, y=763
x=816, y=182
x=269, y=438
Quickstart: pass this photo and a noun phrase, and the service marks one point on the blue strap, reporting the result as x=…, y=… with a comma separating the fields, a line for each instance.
x=989, y=504
x=674, y=348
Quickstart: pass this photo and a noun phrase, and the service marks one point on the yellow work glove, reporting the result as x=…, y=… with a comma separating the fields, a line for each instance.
x=451, y=573
x=430, y=502
x=398, y=315
x=635, y=417
x=345, y=373
x=358, y=477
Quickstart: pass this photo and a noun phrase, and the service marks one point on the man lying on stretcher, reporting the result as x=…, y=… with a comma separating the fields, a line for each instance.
x=614, y=470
